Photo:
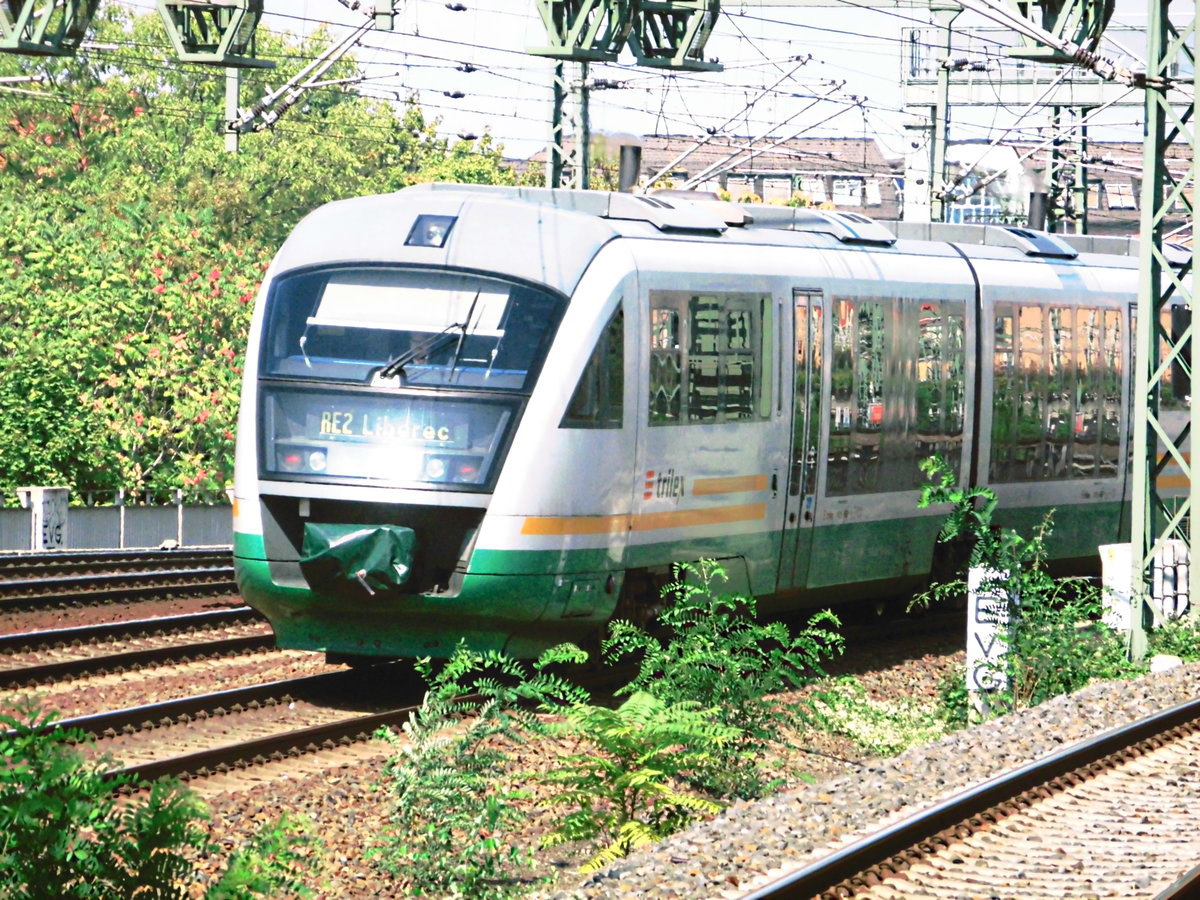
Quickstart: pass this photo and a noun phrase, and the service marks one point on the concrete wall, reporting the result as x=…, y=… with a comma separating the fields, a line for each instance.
x=114, y=527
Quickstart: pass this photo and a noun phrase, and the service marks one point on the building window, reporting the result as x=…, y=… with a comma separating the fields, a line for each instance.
x=1120, y=195
x=847, y=191
x=813, y=187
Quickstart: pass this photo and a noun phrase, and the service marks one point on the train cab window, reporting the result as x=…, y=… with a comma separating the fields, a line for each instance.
x=424, y=328
x=708, y=357
x=598, y=400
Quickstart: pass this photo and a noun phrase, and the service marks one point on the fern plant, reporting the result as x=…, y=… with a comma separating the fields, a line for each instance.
x=623, y=791
x=449, y=829
x=716, y=654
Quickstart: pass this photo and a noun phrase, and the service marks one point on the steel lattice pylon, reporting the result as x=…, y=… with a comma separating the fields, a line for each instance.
x=1163, y=350
x=568, y=164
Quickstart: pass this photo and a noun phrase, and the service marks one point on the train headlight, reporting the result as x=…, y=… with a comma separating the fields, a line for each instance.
x=317, y=460
x=435, y=468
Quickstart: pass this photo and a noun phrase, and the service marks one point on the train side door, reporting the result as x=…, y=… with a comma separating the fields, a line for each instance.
x=809, y=379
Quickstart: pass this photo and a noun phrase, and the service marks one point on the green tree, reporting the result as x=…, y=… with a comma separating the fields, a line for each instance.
x=134, y=245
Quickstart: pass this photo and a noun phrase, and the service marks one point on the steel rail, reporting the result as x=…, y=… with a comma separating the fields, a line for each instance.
x=169, y=712
x=109, y=577
x=1187, y=886
x=244, y=753
x=62, y=558
x=133, y=659
x=881, y=847
x=85, y=634
x=121, y=586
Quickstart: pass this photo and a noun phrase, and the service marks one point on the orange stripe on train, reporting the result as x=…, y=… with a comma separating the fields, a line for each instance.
x=737, y=484
x=679, y=518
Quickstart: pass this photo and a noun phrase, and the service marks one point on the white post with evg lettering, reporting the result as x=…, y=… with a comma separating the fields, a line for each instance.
x=48, y=516
x=990, y=607
x=1116, y=577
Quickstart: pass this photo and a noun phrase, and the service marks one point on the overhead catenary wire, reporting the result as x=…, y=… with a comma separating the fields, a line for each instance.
x=681, y=157
x=682, y=93
x=734, y=160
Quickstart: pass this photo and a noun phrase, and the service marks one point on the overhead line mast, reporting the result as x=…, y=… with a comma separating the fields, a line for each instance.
x=662, y=34
x=1164, y=344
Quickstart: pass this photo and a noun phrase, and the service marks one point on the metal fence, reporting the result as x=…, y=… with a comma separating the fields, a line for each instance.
x=117, y=525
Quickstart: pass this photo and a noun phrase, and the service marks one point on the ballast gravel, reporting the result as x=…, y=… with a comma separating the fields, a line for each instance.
x=753, y=843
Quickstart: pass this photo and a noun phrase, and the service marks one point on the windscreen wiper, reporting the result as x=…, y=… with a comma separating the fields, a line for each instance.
x=462, y=335
x=431, y=344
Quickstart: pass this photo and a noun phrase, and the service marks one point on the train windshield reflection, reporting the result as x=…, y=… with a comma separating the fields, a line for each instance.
x=409, y=327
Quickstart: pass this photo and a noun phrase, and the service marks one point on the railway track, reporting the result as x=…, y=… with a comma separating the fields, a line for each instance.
x=33, y=581
x=61, y=653
x=1115, y=812
x=200, y=736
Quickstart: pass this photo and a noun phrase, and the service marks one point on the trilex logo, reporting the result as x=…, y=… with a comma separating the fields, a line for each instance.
x=663, y=486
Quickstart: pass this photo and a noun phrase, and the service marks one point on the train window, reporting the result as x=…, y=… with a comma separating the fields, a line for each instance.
x=1059, y=421
x=424, y=328
x=1111, y=380
x=898, y=392
x=708, y=353
x=1089, y=331
x=856, y=428
x=1177, y=381
x=940, y=388
x=1031, y=455
x=1006, y=400
x=666, y=367
x=598, y=401
x=1056, y=408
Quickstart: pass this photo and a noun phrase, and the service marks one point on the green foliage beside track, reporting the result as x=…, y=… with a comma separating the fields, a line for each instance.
x=63, y=833
x=455, y=804
x=687, y=739
x=716, y=653
x=1056, y=642
x=134, y=245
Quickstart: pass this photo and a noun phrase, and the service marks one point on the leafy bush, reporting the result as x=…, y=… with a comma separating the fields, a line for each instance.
x=623, y=794
x=452, y=814
x=1056, y=642
x=717, y=655
x=63, y=833
x=1177, y=637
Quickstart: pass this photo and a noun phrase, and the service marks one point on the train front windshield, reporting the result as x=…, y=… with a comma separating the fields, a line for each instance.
x=404, y=376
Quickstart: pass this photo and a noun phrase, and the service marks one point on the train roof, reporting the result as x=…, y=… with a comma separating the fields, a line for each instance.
x=505, y=229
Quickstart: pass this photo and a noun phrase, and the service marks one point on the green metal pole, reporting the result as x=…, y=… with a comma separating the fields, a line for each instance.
x=1160, y=438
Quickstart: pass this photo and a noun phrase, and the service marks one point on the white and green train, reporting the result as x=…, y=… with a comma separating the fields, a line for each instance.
x=500, y=414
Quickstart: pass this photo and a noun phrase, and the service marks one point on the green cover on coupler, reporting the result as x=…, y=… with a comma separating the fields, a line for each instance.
x=370, y=557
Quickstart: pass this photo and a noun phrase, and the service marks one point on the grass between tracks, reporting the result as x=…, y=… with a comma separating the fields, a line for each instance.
x=686, y=736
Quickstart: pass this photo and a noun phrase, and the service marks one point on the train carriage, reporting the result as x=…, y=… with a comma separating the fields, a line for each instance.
x=499, y=414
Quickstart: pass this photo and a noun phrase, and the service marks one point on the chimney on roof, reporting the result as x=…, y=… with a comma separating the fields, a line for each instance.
x=631, y=165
